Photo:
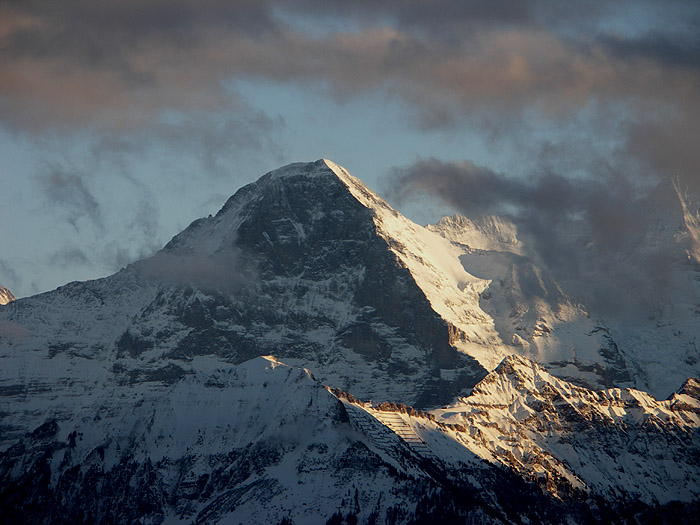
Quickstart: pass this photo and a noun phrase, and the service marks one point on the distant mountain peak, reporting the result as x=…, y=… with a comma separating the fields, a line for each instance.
x=691, y=388
x=6, y=295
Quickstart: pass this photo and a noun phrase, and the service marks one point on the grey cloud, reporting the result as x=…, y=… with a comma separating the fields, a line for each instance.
x=590, y=233
x=190, y=150
x=69, y=191
x=69, y=256
x=681, y=51
x=121, y=63
x=9, y=277
x=224, y=271
x=146, y=219
x=118, y=64
x=116, y=68
x=105, y=34
x=116, y=257
x=141, y=239
x=549, y=197
x=119, y=67
x=217, y=140
x=667, y=147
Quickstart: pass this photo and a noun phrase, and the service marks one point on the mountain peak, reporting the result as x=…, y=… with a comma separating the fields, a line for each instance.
x=6, y=295
x=318, y=168
x=691, y=388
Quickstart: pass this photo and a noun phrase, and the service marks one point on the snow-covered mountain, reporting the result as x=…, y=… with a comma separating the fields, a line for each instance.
x=149, y=386
x=262, y=442
x=5, y=295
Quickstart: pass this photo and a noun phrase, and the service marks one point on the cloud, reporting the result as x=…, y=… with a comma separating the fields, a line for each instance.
x=69, y=191
x=122, y=63
x=590, y=233
x=68, y=257
x=125, y=67
x=667, y=147
x=606, y=203
x=117, y=65
x=679, y=51
x=224, y=271
x=9, y=277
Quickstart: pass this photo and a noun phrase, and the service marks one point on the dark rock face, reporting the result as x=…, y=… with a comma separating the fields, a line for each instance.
x=311, y=280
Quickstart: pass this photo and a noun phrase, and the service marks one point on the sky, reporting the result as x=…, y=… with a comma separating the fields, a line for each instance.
x=122, y=122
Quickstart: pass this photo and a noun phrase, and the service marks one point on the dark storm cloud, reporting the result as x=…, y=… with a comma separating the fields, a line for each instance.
x=590, y=233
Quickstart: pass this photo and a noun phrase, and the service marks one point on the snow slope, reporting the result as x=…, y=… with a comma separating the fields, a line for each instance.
x=618, y=444
x=261, y=441
x=495, y=300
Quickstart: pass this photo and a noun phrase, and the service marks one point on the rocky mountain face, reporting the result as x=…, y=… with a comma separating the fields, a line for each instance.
x=496, y=396
x=262, y=442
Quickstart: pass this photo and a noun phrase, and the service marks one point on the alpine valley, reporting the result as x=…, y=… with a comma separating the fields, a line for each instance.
x=309, y=355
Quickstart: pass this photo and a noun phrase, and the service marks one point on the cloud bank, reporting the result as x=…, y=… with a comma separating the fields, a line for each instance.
x=119, y=65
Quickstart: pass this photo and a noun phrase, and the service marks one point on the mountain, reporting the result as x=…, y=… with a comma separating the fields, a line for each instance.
x=263, y=442
x=638, y=292
x=488, y=392
x=664, y=342
x=5, y=295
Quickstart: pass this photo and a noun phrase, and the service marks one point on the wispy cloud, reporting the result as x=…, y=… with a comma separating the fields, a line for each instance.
x=223, y=271
x=69, y=256
x=69, y=192
x=8, y=275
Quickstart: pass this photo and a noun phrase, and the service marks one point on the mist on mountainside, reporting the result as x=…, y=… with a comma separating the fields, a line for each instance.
x=614, y=245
